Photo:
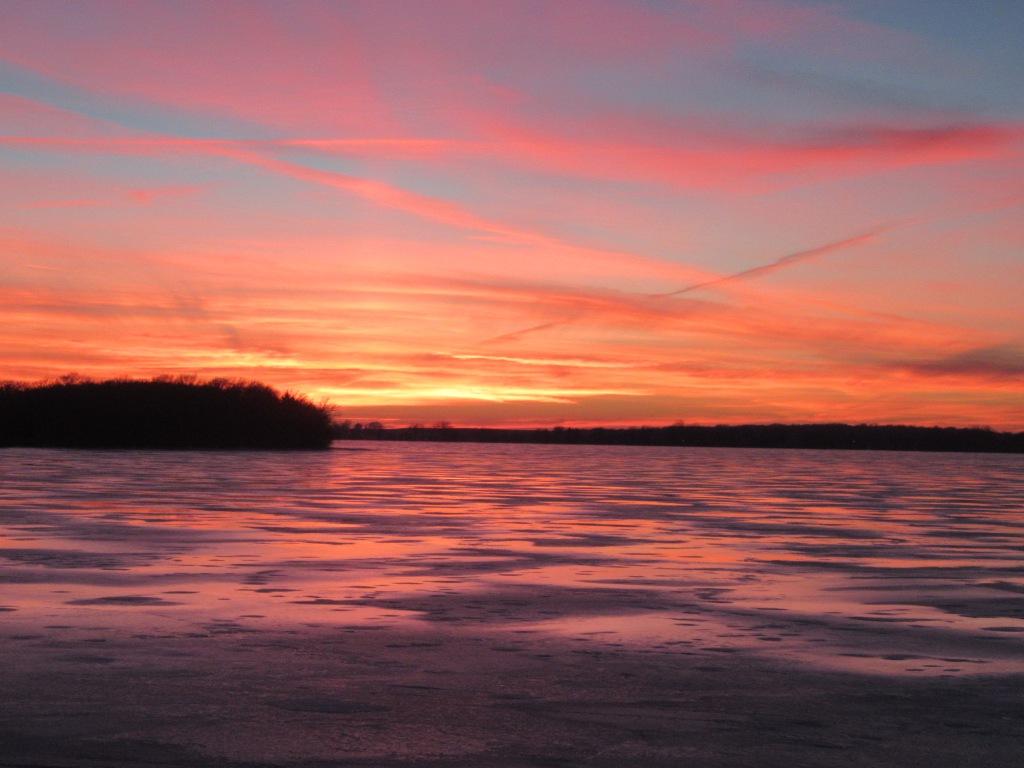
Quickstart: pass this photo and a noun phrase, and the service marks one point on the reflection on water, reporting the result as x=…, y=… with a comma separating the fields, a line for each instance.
x=895, y=563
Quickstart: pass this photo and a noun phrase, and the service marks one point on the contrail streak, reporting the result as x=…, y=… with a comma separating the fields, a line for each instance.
x=782, y=262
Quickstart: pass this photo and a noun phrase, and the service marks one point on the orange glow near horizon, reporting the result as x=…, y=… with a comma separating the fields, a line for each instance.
x=519, y=214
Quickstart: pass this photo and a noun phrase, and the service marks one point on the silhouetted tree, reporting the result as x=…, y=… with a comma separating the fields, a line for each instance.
x=166, y=412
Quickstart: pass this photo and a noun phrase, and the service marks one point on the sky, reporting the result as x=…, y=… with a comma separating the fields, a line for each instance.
x=524, y=213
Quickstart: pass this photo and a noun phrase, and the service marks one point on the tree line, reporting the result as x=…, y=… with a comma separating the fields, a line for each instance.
x=183, y=412
x=826, y=436
x=165, y=412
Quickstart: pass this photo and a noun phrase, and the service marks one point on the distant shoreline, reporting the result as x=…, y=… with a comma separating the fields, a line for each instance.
x=186, y=414
x=865, y=437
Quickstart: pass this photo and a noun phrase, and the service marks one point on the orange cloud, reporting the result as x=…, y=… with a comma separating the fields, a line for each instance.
x=510, y=214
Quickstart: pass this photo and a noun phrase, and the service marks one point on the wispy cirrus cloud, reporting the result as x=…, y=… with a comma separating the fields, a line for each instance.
x=596, y=189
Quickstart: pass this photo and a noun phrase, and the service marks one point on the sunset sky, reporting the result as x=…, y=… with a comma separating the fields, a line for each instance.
x=525, y=213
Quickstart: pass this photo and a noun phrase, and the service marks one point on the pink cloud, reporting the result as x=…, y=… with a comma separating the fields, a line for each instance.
x=491, y=150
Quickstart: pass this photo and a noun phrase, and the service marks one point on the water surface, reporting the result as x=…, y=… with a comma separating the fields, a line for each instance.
x=879, y=563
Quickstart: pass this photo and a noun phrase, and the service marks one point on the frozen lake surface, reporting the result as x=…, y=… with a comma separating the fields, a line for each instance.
x=460, y=604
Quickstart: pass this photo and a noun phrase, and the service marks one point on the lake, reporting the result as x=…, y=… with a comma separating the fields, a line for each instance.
x=463, y=604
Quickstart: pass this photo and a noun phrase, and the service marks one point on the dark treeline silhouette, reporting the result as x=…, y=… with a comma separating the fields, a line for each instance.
x=158, y=413
x=838, y=436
